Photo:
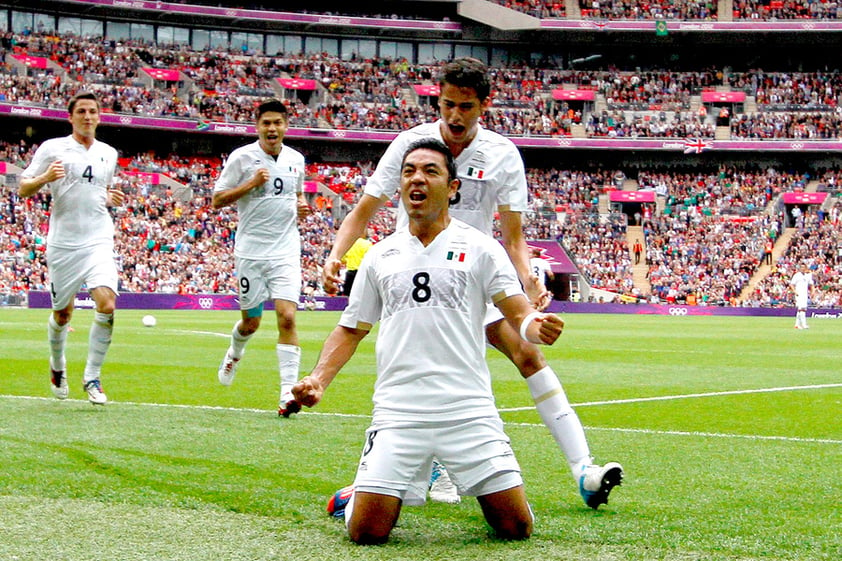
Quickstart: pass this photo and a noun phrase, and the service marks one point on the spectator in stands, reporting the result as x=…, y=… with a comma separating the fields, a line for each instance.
x=266, y=181
x=492, y=177
x=79, y=172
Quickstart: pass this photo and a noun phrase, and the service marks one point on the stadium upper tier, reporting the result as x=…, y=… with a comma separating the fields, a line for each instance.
x=143, y=79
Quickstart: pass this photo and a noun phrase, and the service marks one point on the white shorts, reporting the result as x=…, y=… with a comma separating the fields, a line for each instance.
x=397, y=461
x=261, y=280
x=70, y=269
x=801, y=302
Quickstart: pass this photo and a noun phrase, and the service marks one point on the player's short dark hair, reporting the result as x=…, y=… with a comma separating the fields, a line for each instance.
x=467, y=72
x=275, y=105
x=436, y=146
x=71, y=105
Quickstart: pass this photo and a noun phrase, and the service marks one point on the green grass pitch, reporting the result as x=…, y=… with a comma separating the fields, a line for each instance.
x=729, y=429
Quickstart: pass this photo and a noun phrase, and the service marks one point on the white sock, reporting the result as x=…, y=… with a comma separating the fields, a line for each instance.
x=349, y=508
x=560, y=418
x=238, y=341
x=98, y=342
x=57, y=336
x=289, y=360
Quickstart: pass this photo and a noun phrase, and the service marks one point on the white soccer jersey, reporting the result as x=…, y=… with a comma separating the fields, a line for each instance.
x=801, y=282
x=431, y=303
x=79, y=215
x=490, y=168
x=540, y=267
x=268, y=215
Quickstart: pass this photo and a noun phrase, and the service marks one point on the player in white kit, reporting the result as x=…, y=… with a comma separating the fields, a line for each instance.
x=493, y=179
x=266, y=179
x=801, y=282
x=428, y=285
x=78, y=170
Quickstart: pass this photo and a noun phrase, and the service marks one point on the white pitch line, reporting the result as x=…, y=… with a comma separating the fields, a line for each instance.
x=685, y=396
x=704, y=434
x=358, y=416
x=201, y=332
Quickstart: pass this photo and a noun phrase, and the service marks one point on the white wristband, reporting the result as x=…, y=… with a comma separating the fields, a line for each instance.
x=525, y=324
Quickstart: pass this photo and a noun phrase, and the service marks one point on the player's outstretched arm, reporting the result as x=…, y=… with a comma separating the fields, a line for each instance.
x=353, y=227
x=337, y=350
x=511, y=228
x=535, y=327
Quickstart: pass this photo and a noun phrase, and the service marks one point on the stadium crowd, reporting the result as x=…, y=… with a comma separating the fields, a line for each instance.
x=702, y=246
x=224, y=85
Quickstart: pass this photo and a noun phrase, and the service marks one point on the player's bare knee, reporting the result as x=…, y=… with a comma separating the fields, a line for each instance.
x=368, y=538
x=286, y=323
x=107, y=307
x=62, y=317
x=248, y=326
x=368, y=534
x=513, y=529
x=529, y=359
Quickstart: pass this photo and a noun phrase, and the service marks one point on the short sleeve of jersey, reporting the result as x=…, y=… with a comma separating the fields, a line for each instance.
x=42, y=159
x=503, y=280
x=385, y=181
x=232, y=171
x=512, y=190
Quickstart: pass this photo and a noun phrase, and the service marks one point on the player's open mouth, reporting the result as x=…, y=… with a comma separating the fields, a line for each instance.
x=456, y=129
x=417, y=196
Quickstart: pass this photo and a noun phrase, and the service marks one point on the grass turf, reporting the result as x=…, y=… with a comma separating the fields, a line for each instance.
x=728, y=428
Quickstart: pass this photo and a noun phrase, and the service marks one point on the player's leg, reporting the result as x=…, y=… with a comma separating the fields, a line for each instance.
x=99, y=341
x=252, y=294
x=99, y=272
x=289, y=355
x=508, y=513
x=555, y=411
x=57, y=327
x=284, y=283
x=370, y=517
x=65, y=281
x=482, y=463
x=392, y=471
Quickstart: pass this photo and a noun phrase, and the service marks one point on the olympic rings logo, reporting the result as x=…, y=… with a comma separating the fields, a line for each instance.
x=678, y=311
x=126, y=120
x=206, y=303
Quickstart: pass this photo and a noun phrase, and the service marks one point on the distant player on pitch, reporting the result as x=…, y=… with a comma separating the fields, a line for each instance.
x=78, y=169
x=428, y=285
x=801, y=283
x=266, y=179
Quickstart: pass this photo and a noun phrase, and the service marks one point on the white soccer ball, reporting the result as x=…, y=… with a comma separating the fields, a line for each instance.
x=149, y=321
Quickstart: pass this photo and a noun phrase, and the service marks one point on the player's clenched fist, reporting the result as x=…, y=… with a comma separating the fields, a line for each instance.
x=55, y=171
x=308, y=391
x=261, y=176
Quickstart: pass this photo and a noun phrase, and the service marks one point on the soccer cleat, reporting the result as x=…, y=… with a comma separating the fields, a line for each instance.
x=58, y=383
x=227, y=369
x=289, y=408
x=94, y=391
x=442, y=489
x=596, y=482
x=338, y=501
